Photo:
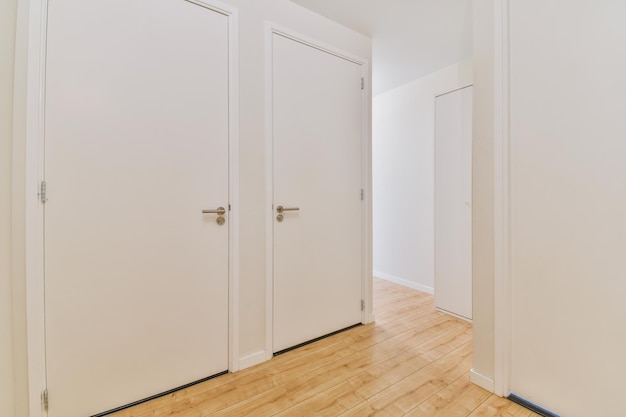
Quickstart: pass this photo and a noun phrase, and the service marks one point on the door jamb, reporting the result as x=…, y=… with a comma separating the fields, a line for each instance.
x=502, y=195
x=34, y=48
x=366, y=229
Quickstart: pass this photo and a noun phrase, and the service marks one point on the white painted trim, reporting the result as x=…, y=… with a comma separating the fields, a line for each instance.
x=366, y=271
x=314, y=43
x=216, y=6
x=404, y=282
x=454, y=90
x=502, y=238
x=481, y=380
x=35, y=90
x=233, y=182
x=450, y=313
x=269, y=193
x=367, y=283
x=253, y=359
x=35, y=300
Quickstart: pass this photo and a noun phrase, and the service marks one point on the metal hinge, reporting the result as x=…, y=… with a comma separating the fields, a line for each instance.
x=43, y=195
x=362, y=83
x=362, y=305
x=44, y=399
x=362, y=194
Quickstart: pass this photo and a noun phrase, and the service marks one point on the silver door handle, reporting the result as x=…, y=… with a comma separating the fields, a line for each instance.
x=219, y=210
x=281, y=209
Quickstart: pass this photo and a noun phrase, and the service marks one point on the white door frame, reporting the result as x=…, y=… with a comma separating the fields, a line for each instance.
x=366, y=213
x=502, y=194
x=34, y=48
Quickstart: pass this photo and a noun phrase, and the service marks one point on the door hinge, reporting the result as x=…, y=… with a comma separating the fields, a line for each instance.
x=362, y=194
x=43, y=194
x=362, y=83
x=362, y=305
x=44, y=399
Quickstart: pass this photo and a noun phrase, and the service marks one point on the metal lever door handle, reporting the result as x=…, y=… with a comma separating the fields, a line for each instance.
x=281, y=209
x=219, y=210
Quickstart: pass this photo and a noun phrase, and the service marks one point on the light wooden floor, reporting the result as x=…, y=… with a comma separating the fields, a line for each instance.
x=413, y=362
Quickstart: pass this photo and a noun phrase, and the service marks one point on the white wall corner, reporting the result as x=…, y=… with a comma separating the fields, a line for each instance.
x=405, y=282
x=482, y=381
x=253, y=359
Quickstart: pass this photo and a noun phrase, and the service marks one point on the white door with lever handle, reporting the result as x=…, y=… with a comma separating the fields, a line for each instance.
x=136, y=148
x=317, y=212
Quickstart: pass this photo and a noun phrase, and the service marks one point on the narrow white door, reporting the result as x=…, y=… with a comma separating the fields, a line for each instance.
x=317, y=116
x=136, y=146
x=453, y=202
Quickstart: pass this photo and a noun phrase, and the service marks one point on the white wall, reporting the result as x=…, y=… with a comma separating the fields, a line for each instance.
x=403, y=139
x=253, y=16
x=7, y=43
x=568, y=205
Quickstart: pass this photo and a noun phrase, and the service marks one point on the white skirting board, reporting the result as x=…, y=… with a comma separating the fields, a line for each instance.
x=458, y=316
x=482, y=381
x=253, y=359
x=406, y=283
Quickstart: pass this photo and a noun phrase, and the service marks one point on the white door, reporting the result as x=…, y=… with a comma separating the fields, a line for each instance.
x=453, y=202
x=136, y=146
x=317, y=121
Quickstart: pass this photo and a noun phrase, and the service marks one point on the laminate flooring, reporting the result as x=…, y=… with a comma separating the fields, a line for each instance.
x=413, y=362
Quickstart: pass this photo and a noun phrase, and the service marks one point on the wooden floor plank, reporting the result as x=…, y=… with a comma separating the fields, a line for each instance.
x=500, y=407
x=413, y=362
x=371, y=381
x=459, y=398
x=404, y=395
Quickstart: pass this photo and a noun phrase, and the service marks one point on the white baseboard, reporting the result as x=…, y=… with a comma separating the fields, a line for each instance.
x=406, y=283
x=482, y=381
x=458, y=316
x=251, y=360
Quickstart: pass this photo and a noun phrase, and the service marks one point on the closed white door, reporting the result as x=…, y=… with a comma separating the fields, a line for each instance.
x=317, y=121
x=136, y=147
x=453, y=202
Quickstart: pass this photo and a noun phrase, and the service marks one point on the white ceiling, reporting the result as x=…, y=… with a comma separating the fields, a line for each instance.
x=411, y=38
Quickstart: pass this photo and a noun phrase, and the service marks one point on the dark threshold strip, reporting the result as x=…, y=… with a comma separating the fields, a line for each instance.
x=145, y=400
x=531, y=406
x=280, y=352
